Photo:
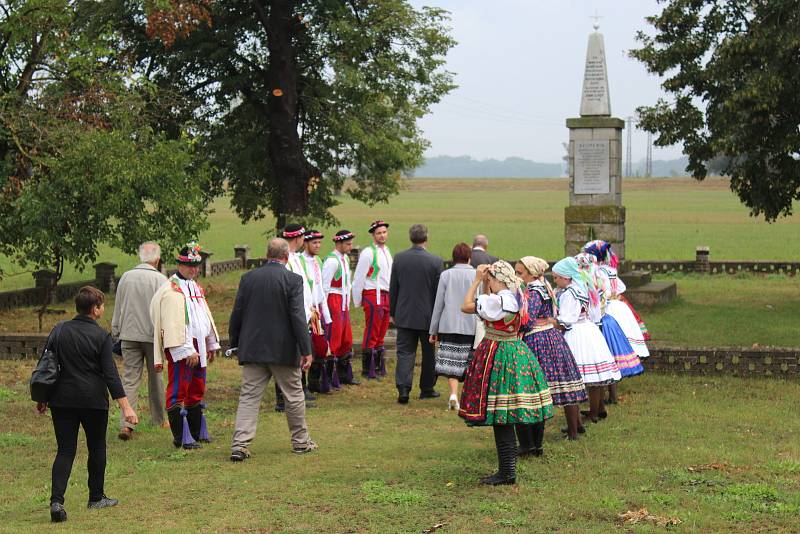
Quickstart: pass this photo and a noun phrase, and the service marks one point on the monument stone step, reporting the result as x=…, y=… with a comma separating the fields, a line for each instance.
x=652, y=294
x=636, y=278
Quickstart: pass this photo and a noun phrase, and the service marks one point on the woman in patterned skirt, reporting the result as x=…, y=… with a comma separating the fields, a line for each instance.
x=504, y=384
x=548, y=345
x=627, y=360
x=455, y=331
x=578, y=314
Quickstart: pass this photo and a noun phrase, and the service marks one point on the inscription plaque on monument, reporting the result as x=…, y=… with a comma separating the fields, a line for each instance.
x=592, y=168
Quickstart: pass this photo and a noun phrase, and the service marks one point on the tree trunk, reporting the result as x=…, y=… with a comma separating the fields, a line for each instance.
x=292, y=170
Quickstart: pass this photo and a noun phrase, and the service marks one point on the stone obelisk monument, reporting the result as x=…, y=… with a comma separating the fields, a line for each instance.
x=595, y=208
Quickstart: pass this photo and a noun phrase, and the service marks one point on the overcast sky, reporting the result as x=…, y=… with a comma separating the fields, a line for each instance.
x=519, y=67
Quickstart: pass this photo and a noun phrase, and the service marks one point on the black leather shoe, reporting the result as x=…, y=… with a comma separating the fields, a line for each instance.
x=239, y=455
x=104, y=502
x=521, y=453
x=57, y=513
x=353, y=382
x=280, y=408
x=402, y=396
x=498, y=480
x=429, y=394
x=192, y=446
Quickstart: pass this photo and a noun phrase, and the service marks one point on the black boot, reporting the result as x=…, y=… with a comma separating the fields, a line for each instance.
x=368, y=364
x=344, y=368
x=175, y=424
x=506, y=444
x=306, y=392
x=380, y=354
x=317, y=378
x=194, y=416
x=332, y=373
x=525, y=438
x=538, y=438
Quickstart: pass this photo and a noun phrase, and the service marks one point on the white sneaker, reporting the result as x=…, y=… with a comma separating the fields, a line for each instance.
x=452, y=403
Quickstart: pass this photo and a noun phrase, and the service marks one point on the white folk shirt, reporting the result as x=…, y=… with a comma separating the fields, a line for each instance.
x=493, y=307
x=329, y=270
x=361, y=282
x=295, y=264
x=318, y=298
x=199, y=327
x=572, y=311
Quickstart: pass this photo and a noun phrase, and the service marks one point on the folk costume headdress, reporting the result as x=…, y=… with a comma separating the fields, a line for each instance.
x=504, y=273
x=587, y=264
x=310, y=235
x=343, y=235
x=536, y=267
x=293, y=231
x=582, y=281
x=190, y=254
x=377, y=224
x=602, y=251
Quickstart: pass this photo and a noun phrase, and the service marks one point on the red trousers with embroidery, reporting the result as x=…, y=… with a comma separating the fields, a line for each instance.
x=185, y=385
x=376, y=318
x=339, y=333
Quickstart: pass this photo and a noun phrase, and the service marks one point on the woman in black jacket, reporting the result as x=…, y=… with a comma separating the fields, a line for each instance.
x=80, y=398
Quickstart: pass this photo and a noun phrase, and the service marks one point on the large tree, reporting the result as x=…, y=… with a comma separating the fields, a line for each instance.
x=298, y=98
x=734, y=93
x=82, y=161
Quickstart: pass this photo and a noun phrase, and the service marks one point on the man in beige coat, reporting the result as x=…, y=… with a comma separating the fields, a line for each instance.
x=186, y=336
x=131, y=324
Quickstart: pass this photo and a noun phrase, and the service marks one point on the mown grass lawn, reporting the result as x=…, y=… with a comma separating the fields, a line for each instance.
x=714, y=454
x=718, y=310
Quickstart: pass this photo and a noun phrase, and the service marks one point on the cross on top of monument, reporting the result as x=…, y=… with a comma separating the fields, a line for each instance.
x=596, y=23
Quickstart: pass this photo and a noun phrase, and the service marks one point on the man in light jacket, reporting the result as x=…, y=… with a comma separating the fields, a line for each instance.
x=131, y=325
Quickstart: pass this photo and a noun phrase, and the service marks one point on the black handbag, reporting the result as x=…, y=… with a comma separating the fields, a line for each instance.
x=45, y=376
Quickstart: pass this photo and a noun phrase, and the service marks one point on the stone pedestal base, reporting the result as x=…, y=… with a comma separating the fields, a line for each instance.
x=584, y=223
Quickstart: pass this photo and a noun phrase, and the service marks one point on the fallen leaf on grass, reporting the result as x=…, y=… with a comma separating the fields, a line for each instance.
x=641, y=515
x=449, y=485
x=435, y=527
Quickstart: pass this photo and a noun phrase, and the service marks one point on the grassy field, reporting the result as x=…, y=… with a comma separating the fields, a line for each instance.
x=677, y=447
x=666, y=219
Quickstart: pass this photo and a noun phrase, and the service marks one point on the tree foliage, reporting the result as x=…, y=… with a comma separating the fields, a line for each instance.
x=294, y=98
x=734, y=87
x=82, y=163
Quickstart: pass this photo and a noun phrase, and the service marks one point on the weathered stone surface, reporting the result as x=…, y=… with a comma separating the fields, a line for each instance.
x=652, y=294
x=595, y=97
x=594, y=214
x=595, y=122
x=635, y=278
x=613, y=233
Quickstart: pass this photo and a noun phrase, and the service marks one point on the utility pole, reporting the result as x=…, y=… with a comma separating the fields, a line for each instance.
x=649, y=164
x=628, y=160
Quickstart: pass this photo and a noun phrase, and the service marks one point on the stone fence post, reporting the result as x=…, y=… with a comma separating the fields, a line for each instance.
x=205, y=265
x=701, y=260
x=242, y=252
x=104, y=277
x=354, y=256
x=46, y=280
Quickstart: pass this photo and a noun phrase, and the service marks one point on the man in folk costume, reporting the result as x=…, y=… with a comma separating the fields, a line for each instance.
x=294, y=234
x=371, y=290
x=186, y=336
x=338, y=284
x=318, y=380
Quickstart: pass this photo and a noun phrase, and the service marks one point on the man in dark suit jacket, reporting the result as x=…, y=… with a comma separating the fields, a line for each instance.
x=269, y=329
x=479, y=255
x=412, y=293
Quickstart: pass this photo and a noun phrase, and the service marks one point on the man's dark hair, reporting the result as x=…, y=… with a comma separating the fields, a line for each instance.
x=418, y=234
x=462, y=253
x=88, y=297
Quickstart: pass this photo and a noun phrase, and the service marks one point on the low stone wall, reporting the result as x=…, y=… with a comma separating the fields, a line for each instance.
x=768, y=362
x=717, y=267
x=33, y=296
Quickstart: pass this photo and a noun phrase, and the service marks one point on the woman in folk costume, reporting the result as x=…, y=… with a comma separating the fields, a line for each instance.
x=627, y=360
x=551, y=350
x=504, y=385
x=619, y=309
x=184, y=333
x=578, y=314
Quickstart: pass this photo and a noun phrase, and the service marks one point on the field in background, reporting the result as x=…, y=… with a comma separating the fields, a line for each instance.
x=667, y=219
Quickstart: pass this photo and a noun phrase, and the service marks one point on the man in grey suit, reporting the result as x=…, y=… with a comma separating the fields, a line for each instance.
x=412, y=292
x=269, y=329
x=480, y=256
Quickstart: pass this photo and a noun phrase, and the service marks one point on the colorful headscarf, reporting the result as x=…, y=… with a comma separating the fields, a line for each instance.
x=587, y=264
x=584, y=282
x=602, y=251
x=505, y=274
x=537, y=267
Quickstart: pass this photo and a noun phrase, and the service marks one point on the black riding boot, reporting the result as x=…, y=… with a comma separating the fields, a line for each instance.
x=194, y=416
x=506, y=444
x=368, y=364
x=306, y=392
x=538, y=438
x=525, y=438
x=175, y=424
x=344, y=368
x=380, y=356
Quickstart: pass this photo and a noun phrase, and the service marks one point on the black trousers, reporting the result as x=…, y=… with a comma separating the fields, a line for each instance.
x=66, y=422
x=407, y=340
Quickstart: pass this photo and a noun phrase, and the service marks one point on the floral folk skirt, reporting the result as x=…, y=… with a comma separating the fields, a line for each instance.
x=504, y=385
x=558, y=365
